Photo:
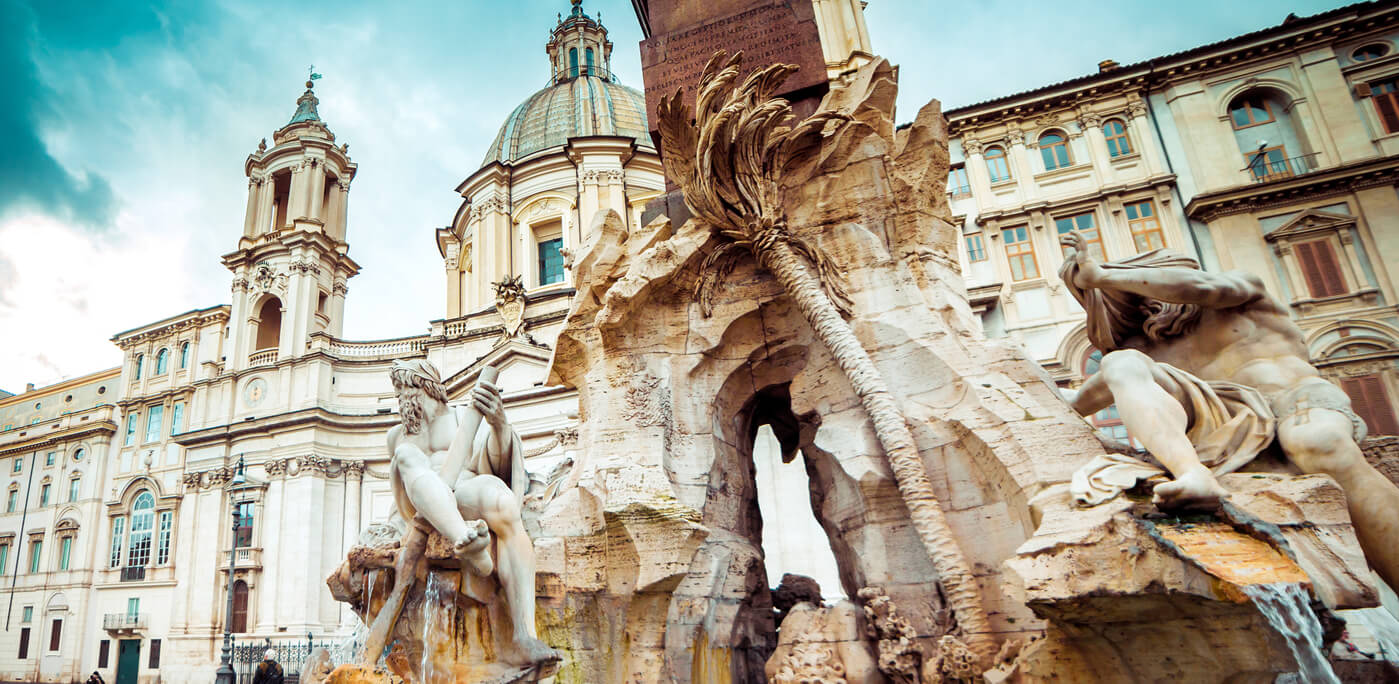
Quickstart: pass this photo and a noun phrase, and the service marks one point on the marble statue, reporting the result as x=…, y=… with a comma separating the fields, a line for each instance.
x=482, y=501
x=1206, y=369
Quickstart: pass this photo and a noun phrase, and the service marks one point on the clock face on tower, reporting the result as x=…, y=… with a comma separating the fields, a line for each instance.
x=254, y=392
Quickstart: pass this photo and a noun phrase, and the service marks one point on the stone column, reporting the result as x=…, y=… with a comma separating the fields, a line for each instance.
x=1092, y=126
x=1019, y=154
x=316, y=193
x=1144, y=135
x=250, y=214
x=264, y=217
x=337, y=306
x=353, y=472
x=977, y=175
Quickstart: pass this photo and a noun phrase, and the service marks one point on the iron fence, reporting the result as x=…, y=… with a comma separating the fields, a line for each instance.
x=1263, y=169
x=291, y=655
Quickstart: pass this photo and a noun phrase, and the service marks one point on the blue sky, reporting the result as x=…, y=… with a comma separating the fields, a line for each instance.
x=121, y=181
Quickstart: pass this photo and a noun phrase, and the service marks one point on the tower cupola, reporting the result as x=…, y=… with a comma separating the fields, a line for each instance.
x=578, y=46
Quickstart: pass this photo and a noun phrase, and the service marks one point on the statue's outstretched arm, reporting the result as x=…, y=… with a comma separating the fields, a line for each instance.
x=1163, y=283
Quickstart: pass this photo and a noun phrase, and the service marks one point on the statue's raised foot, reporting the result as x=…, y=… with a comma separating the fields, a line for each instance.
x=532, y=672
x=474, y=550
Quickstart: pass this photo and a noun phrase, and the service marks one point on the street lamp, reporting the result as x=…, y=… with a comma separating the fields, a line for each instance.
x=225, y=674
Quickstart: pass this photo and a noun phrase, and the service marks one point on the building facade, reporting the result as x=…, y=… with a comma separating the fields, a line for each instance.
x=1273, y=153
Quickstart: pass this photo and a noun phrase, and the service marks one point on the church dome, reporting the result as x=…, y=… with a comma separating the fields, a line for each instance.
x=570, y=108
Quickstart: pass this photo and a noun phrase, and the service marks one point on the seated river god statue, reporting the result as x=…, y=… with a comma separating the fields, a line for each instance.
x=467, y=484
x=1206, y=369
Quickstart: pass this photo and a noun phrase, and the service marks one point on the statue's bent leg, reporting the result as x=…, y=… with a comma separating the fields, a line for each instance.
x=1320, y=441
x=1148, y=402
x=489, y=498
x=430, y=495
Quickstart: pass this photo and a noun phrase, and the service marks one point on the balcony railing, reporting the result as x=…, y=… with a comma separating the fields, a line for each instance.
x=959, y=190
x=1262, y=169
x=133, y=573
x=244, y=557
x=124, y=621
x=262, y=357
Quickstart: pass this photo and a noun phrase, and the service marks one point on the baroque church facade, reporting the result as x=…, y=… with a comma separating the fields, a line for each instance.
x=123, y=531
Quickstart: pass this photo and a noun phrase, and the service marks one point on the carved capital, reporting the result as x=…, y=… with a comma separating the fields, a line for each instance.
x=340, y=288
x=568, y=437
x=1136, y=109
x=275, y=467
x=192, y=480
x=1090, y=120
x=1016, y=137
x=353, y=470
x=972, y=146
x=1345, y=236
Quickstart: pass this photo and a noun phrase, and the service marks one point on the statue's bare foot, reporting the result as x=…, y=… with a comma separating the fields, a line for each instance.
x=531, y=651
x=1196, y=489
x=474, y=550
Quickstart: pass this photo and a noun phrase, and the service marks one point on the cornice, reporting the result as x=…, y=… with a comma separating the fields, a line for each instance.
x=285, y=421
x=54, y=438
x=1339, y=180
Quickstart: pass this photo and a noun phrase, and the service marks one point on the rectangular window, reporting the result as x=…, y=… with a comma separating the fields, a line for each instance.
x=155, y=655
x=28, y=615
x=1020, y=253
x=35, y=548
x=1320, y=268
x=43, y=495
x=1370, y=401
x=154, y=415
x=118, y=528
x=1385, y=95
x=13, y=502
x=1146, y=229
x=133, y=607
x=4, y=557
x=244, y=535
x=74, y=487
x=104, y=652
x=177, y=418
x=23, y=643
x=1269, y=163
x=976, y=249
x=18, y=465
x=957, y=183
x=50, y=457
x=162, y=553
x=56, y=634
x=65, y=552
x=550, y=261
x=1084, y=224
x=130, y=429
x=997, y=165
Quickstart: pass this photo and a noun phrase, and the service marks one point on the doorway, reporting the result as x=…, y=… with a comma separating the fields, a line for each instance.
x=128, y=661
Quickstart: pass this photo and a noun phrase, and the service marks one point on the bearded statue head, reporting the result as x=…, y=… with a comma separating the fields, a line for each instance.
x=415, y=382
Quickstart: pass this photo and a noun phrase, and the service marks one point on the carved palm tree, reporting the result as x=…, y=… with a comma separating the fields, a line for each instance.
x=730, y=162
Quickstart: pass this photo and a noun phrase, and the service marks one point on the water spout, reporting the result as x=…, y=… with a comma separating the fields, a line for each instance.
x=1287, y=607
x=439, y=602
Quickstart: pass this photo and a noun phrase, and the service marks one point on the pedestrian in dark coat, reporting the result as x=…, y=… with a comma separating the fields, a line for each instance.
x=268, y=671
x=96, y=678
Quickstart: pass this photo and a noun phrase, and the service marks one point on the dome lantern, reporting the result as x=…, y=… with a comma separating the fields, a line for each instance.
x=578, y=46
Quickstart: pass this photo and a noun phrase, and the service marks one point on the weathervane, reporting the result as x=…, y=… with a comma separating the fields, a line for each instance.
x=311, y=75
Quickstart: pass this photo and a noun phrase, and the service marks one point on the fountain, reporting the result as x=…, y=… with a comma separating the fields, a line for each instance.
x=1288, y=609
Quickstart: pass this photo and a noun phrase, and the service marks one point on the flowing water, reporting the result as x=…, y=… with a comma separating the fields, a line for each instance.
x=1288, y=609
x=439, y=604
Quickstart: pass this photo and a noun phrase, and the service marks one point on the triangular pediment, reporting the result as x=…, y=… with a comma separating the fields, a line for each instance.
x=512, y=358
x=1310, y=222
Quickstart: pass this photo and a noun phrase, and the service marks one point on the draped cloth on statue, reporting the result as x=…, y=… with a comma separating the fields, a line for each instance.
x=1115, y=316
x=478, y=462
x=1229, y=425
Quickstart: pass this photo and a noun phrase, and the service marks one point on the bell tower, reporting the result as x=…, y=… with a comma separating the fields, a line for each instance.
x=292, y=263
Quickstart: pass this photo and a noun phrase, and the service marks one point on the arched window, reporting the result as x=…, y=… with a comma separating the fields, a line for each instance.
x=1369, y=52
x=184, y=355
x=588, y=54
x=140, y=362
x=1054, y=148
x=269, y=324
x=997, y=165
x=1116, y=134
x=162, y=361
x=239, y=620
x=1250, y=109
x=78, y=454
x=138, y=554
x=573, y=62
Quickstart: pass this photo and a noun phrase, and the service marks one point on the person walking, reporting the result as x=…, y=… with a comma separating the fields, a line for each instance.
x=96, y=678
x=269, y=671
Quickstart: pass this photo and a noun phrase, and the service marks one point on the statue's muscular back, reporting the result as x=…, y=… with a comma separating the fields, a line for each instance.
x=1254, y=344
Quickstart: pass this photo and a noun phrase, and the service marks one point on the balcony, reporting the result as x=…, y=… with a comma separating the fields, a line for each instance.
x=1266, y=169
x=244, y=558
x=262, y=357
x=124, y=622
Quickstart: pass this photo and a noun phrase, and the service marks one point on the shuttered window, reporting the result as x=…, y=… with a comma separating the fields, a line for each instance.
x=1371, y=402
x=1320, y=268
x=1385, y=95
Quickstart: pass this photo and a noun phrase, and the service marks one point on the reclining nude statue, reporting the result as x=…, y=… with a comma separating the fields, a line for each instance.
x=484, y=499
x=1206, y=369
